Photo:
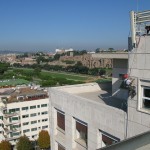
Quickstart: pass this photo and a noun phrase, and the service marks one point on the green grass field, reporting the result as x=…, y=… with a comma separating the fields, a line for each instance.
x=51, y=77
x=13, y=82
x=69, y=76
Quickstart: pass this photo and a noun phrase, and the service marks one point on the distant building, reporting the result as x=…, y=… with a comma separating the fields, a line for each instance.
x=89, y=61
x=63, y=50
x=23, y=110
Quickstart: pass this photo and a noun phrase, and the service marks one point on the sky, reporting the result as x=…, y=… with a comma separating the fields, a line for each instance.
x=44, y=25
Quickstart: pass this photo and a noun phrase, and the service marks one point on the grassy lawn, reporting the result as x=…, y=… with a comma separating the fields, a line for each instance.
x=13, y=82
x=52, y=78
x=69, y=76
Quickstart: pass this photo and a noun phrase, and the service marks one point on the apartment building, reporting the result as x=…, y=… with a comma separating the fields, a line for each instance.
x=23, y=110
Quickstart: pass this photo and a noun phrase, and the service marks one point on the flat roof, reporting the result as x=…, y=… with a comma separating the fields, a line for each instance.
x=95, y=92
x=25, y=94
x=113, y=55
x=104, y=97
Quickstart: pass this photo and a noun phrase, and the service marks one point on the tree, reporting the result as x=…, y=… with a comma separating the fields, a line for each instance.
x=57, y=56
x=24, y=143
x=5, y=145
x=40, y=59
x=48, y=83
x=3, y=67
x=44, y=139
x=37, y=71
x=97, y=50
x=102, y=72
x=110, y=49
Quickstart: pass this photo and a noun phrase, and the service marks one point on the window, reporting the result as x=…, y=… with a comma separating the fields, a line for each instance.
x=146, y=97
x=108, y=139
x=32, y=115
x=1, y=125
x=25, y=131
x=38, y=106
x=60, y=147
x=25, y=123
x=44, y=105
x=33, y=129
x=38, y=113
x=1, y=117
x=44, y=127
x=15, y=118
x=33, y=122
x=43, y=120
x=12, y=110
x=25, y=116
x=25, y=108
x=81, y=130
x=61, y=120
x=44, y=113
x=16, y=134
x=33, y=107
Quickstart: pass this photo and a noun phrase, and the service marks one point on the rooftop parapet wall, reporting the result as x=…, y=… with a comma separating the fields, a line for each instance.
x=80, y=88
x=97, y=115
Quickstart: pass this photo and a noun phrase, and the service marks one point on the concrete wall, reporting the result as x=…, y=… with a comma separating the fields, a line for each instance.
x=119, y=67
x=96, y=115
x=139, y=70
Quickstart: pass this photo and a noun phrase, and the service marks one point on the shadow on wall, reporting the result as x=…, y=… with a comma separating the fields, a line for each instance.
x=112, y=100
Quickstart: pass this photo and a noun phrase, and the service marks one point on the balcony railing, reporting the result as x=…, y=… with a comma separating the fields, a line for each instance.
x=7, y=115
x=7, y=122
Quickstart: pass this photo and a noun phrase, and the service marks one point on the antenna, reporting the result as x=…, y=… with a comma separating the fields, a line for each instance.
x=138, y=21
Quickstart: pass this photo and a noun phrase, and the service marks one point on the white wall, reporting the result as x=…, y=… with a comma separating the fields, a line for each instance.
x=96, y=115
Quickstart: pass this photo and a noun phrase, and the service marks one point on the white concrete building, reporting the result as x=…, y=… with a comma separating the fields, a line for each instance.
x=91, y=116
x=85, y=117
x=23, y=111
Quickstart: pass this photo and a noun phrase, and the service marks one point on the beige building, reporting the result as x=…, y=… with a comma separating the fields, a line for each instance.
x=89, y=61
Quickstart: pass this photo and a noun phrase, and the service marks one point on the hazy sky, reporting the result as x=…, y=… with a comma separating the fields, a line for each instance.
x=81, y=24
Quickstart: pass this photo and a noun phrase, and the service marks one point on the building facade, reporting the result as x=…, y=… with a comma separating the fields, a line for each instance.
x=81, y=118
x=23, y=111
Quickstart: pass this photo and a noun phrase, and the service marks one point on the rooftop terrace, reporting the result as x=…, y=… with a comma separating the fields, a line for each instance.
x=100, y=93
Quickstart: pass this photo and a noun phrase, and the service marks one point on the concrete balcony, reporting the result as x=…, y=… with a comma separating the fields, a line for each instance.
x=13, y=130
x=12, y=138
x=8, y=115
x=7, y=122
